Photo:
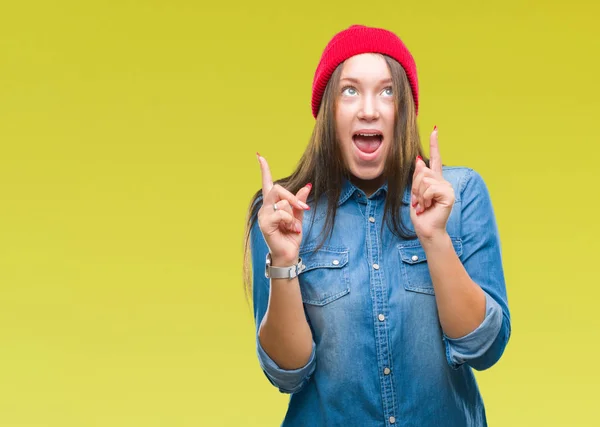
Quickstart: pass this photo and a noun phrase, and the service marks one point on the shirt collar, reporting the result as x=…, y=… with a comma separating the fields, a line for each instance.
x=349, y=190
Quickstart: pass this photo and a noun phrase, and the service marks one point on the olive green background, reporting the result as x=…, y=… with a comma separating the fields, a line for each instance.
x=128, y=132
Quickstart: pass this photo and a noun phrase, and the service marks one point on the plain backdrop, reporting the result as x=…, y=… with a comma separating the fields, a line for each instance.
x=128, y=133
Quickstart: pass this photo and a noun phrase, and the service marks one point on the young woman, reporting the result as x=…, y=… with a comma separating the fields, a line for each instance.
x=377, y=278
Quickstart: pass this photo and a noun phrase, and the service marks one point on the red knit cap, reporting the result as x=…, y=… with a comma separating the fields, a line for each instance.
x=359, y=39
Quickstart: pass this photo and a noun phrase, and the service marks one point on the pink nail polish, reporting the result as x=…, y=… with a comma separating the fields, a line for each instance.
x=419, y=158
x=309, y=185
x=435, y=127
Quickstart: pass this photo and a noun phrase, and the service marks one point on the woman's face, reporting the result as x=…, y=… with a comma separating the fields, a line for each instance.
x=365, y=116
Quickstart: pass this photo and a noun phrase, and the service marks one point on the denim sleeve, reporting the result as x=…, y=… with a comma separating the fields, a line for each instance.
x=287, y=381
x=482, y=259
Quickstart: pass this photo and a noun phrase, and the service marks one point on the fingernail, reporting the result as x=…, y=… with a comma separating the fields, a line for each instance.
x=435, y=127
x=419, y=158
x=309, y=185
x=303, y=205
x=298, y=229
x=258, y=155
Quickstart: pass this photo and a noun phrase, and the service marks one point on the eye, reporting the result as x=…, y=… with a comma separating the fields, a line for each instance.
x=388, y=91
x=349, y=90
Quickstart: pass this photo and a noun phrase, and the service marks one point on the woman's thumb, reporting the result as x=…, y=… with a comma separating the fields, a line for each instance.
x=303, y=193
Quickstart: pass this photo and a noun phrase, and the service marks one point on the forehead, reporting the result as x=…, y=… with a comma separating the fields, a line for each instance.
x=366, y=67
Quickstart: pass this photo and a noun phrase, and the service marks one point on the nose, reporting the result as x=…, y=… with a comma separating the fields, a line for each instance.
x=368, y=110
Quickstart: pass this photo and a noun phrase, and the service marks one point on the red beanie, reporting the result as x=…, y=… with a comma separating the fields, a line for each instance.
x=359, y=39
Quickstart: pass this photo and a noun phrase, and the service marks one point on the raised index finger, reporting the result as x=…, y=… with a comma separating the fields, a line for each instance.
x=435, y=159
x=267, y=181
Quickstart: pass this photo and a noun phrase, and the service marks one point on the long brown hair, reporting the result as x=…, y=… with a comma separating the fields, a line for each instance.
x=323, y=166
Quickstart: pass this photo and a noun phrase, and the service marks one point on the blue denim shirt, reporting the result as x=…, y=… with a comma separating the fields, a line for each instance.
x=380, y=357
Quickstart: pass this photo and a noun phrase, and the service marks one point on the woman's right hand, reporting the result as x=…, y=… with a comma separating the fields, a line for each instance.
x=281, y=227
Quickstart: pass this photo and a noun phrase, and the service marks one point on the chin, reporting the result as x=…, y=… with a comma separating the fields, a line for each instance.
x=367, y=174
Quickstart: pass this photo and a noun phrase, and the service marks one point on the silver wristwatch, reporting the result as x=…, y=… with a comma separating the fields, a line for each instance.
x=283, y=272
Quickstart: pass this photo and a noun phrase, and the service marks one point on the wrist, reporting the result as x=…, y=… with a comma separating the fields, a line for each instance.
x=282, y=268
x=436, y=239
x=284, y=260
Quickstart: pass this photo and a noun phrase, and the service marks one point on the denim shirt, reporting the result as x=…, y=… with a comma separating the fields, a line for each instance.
x=379, y=356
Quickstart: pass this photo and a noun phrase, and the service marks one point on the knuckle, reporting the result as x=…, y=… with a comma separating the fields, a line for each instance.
x=279, y=217
x=276, y=189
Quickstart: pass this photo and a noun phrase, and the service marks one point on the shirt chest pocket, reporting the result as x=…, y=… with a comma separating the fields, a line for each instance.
x=326, y=277
x=414, y=267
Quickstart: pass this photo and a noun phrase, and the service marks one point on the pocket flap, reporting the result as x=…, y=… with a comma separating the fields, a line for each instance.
x=324, y=258
x=411, y=252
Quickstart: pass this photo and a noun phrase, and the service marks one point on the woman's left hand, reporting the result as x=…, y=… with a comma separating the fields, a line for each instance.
x=432, y=197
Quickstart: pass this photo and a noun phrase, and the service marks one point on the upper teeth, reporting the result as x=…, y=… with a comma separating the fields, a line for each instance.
x=368, y=134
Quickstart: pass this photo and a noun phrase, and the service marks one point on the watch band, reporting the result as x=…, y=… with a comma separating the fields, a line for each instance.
x=289, y=272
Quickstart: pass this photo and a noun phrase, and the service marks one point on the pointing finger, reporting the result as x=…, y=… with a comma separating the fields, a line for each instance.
x=435, y=159
x=267, y=180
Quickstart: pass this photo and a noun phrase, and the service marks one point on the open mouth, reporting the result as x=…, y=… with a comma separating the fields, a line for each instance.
x=367, y=142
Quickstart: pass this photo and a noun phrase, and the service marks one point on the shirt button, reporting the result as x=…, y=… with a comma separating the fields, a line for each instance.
x=371, y=219
x=392, y=420
x=381, y=317
x=335, y=262
x=415, y=257
x=376, y=266
x=386, y=371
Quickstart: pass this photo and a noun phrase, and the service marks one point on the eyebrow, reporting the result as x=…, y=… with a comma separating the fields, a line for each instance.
x=355, y=80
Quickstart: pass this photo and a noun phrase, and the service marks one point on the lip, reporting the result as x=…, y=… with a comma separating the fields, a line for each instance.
x=367, y=157
x=374, y=131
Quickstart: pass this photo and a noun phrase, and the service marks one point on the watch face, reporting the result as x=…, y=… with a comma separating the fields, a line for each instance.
x=267, y=265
